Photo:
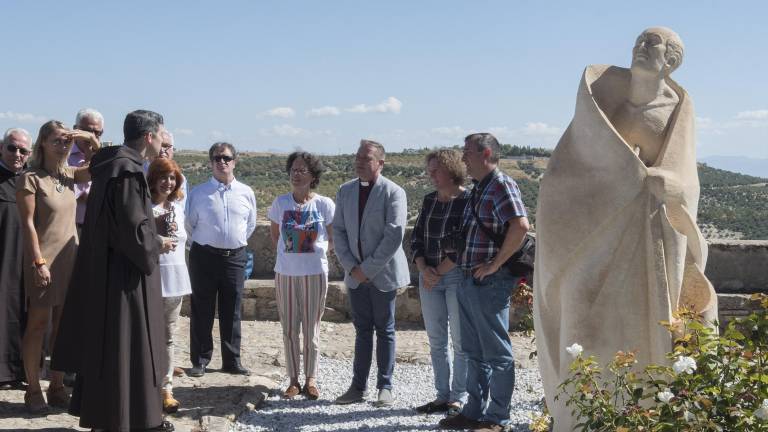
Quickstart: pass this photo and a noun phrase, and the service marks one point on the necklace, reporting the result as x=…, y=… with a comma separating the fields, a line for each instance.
x=57, y=181
x=300, y=205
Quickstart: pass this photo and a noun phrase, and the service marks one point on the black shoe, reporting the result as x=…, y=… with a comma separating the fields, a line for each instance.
x=457, y=422
x=236, y=370
x=196, y=371
x=432, y=407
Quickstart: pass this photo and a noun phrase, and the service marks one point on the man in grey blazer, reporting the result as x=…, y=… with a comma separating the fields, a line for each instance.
x=368, y=228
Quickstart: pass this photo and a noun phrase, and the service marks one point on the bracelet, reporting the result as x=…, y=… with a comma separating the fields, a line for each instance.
x=40, y=262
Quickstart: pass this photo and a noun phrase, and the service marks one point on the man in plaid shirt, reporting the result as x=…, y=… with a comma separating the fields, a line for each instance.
x=484, y=295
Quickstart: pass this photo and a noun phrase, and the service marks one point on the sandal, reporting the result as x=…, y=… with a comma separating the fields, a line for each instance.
x=311, y=392
x=58, y=397
x=291, y=391
x=34, y=402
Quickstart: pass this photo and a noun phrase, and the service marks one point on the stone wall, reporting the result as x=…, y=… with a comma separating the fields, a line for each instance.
x=736, y=269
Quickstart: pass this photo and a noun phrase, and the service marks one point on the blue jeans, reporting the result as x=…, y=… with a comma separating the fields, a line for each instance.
x=484, y=312
x=373, y=309
x=440, y=305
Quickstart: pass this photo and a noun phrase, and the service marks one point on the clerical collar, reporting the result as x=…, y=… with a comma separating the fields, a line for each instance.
x=367, y=183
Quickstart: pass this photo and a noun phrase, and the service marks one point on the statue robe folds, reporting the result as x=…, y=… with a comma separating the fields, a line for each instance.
x=612, y=259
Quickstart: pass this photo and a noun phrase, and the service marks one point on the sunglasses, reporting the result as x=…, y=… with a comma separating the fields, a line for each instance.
x=226, y=159
x=96, y=132
x=13, y=148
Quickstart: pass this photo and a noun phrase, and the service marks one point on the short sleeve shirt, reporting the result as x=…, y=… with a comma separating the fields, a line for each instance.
x=497, y=200
x=303, y=243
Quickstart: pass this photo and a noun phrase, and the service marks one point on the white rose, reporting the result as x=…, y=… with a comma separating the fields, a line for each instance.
x=762, y=412
x=665, y=396
x=575, y=350
x=684, y=365
x=688, y=416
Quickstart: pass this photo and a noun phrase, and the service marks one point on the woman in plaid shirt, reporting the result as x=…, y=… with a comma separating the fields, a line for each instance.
x=439, y=278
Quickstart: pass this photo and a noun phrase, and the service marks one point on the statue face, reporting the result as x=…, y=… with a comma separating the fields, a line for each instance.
x=649, y=52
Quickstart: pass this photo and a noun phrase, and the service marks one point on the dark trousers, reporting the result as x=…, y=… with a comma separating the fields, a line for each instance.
x=215, y=277
x=373, y=309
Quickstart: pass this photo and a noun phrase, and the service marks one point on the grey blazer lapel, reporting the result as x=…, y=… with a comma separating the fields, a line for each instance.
x=351, y=217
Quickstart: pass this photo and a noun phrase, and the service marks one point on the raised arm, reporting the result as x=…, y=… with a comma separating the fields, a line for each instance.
x=82, y=174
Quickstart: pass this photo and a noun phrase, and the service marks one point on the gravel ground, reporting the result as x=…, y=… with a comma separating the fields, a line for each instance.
x=413, y=386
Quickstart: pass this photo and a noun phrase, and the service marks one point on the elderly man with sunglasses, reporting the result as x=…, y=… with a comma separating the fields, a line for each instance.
x=220, y=216
x=89, y=120
x=15, y=150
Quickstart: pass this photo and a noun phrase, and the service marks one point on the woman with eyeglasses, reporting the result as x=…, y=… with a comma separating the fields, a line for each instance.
x=46, y=202
x=165, y=185
x=302, y=236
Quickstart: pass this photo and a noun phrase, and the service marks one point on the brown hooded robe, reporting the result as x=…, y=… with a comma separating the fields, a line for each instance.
x=112, y=328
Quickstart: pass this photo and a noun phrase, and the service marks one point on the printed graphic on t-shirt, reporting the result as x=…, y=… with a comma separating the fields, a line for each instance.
x=300, y=229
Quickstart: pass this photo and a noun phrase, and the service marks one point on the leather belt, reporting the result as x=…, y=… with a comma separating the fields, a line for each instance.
x=222, y=252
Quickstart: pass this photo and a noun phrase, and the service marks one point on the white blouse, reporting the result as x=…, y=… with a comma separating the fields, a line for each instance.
x=173, y=264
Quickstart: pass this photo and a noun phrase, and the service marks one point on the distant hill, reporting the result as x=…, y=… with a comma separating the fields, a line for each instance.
x=746, y=165
x=732, y=205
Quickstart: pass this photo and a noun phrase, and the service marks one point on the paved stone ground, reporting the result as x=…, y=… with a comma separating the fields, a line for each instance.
x=212, y=402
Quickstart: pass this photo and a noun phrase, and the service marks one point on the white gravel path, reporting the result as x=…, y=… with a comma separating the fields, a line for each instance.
x=413, y=386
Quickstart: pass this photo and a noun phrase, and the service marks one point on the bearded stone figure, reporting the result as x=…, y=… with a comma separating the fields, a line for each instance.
x=618, y=249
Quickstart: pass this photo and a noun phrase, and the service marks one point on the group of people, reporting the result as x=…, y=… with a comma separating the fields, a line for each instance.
x=93, y=257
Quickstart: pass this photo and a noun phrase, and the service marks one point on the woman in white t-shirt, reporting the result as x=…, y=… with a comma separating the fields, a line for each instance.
x=302, y=235
x=165, y=184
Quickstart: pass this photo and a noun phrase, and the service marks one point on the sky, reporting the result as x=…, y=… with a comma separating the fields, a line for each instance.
x=321, y=75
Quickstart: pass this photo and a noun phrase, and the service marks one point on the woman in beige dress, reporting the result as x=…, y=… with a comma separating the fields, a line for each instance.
x=46, y=202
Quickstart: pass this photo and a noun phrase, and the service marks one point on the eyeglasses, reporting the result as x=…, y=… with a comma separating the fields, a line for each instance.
x=13, y=148
x=299, y=171
x=96, y=132
x=166, y=147
x=225, y=159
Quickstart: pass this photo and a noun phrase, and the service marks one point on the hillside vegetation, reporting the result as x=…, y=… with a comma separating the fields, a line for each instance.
x=731, y=203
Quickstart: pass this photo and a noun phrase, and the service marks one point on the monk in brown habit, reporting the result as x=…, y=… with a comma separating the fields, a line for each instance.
x=15, y=150
x=112, y=328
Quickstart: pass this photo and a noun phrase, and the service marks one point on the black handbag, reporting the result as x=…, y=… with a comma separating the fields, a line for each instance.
x=520, y=264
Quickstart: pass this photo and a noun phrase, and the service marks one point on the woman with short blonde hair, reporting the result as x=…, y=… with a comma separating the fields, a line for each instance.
x=434, y=246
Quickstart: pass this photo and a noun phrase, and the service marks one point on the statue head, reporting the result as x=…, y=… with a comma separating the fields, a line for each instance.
x=657, y=50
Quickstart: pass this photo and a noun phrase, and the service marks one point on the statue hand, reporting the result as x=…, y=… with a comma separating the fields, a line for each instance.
x=664, y=185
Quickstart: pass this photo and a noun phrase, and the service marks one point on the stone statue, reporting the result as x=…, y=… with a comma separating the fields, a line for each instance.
x=618, y=249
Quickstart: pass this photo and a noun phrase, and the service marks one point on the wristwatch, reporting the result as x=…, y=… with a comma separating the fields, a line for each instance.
x=40, y=262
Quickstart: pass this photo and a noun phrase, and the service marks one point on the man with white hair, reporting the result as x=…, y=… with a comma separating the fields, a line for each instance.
x=90, y=120
x=14, y=152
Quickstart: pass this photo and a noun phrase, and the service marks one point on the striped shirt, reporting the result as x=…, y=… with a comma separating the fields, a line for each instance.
x=436, y=221
x=497, y=200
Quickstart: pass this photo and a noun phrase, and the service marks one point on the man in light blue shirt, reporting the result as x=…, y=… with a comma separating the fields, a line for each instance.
x=220, y=217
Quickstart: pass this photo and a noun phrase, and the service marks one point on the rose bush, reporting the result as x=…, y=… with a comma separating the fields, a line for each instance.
x=714, y=382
